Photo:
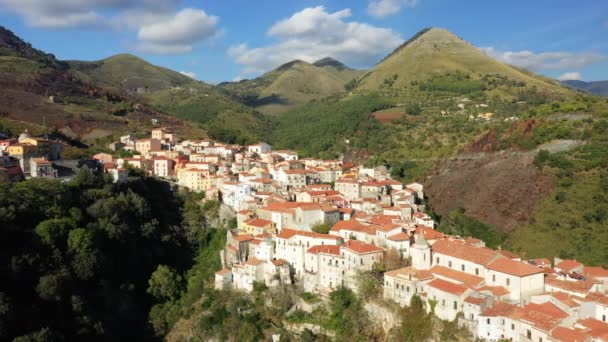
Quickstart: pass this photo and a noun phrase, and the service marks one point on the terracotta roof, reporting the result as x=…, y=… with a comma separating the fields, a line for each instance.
x=543, y=316
x=355, y=226
x=429, y=233
x=582, y=287
x=399, y=237
x=258, y=222
x=496, y=291
x=466, y=279
x=597, y=297
x=475, y=300
x=568, y=265
x=326, y=249
x=361, y=247
x=567, y=299
x=501, y=309
x=597, y=328
x=448, y=287
x=223, y=271
x=388, y=227
x=280, y=262
x=564, y=334
x=595, y=272
x=287, y=233
x=407, y=271
x=253, y=261
x=512, y=267
x=242, y=237
x=457, y=249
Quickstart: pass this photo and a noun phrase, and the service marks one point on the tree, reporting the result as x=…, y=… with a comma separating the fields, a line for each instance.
x=393, y=260
x=416, y=324
x=321, y=228
x=165, y=283
x=413, y=108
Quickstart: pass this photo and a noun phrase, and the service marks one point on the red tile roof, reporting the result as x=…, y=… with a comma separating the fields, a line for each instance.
x=595, y=272
x=399, y=237
x=448, y=287
x=287, y=233
x=568, y=265
x=429, y=233
x=223, y=271
x=543, y=316
x=258, y=222
x=253, y=261
x=361, y=247
x=466, y=279
x=406, y=271
x=512, y=267
x=496, y=291
x=458, y=249
x=326, y=249
x=564, y=334
x=355, y=226
x=501, y=309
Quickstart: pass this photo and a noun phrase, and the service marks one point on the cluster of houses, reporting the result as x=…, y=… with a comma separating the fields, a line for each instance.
x=320, y=223
x=29, y=157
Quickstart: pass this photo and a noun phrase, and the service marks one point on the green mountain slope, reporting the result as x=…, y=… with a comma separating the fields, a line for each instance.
x=291, y=85
x=128, y=73
x=29, y=77
x=435, y=59
x=175, y=94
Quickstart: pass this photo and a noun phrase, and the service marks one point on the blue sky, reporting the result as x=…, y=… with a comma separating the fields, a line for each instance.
x=231, y=39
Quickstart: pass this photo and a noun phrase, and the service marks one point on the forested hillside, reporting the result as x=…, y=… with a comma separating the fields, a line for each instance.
x=89, y=259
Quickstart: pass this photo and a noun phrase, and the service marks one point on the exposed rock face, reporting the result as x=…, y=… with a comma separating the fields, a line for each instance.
x=382, y=316
x=501, y=189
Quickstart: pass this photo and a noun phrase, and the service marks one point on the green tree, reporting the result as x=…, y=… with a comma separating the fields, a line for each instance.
x=165, y=283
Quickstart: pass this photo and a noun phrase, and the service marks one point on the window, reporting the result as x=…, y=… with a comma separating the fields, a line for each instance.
x=512, y=326
x=449, y=264
x=477, y=271
x=455, y=305
x=407, y=289
x=508, y=281
x=529, y=334
x=437, y=260
x=494, y=277
x=604, y=318
x=462, y=267
x=488, y=321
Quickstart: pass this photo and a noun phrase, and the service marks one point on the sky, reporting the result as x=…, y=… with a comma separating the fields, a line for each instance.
x=227, y=40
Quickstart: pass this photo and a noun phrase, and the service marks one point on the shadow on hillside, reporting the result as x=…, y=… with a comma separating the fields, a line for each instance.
x=274, y=99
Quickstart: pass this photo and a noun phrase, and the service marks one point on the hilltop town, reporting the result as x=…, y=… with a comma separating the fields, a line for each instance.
x=320, y=223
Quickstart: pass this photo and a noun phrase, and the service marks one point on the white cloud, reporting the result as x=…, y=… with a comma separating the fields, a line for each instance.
x=79, y=13
x=312, y=34
x=188, y=73
x=384, y=8
x=571, y=76
x=177, y=34
x=545, y=60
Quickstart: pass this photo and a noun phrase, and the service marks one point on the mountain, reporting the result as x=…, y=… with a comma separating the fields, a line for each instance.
x=129, y=73
x=291, y=85
x=40, y=93
x=175, y=94
x=437, y=60
x=595, y=87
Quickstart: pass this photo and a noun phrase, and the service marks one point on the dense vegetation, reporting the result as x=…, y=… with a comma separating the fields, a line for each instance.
x=331, y=126
x=458, y=223
x=83, y=260
x=572, y=222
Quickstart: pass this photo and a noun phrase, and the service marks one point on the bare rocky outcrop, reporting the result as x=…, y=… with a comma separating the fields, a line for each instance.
x=500, y=188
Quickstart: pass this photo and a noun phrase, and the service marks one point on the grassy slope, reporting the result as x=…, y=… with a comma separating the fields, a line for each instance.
x=290, y=86
x=127, y=72
x=204, y=104
x=172, y=93
x=438, y=51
